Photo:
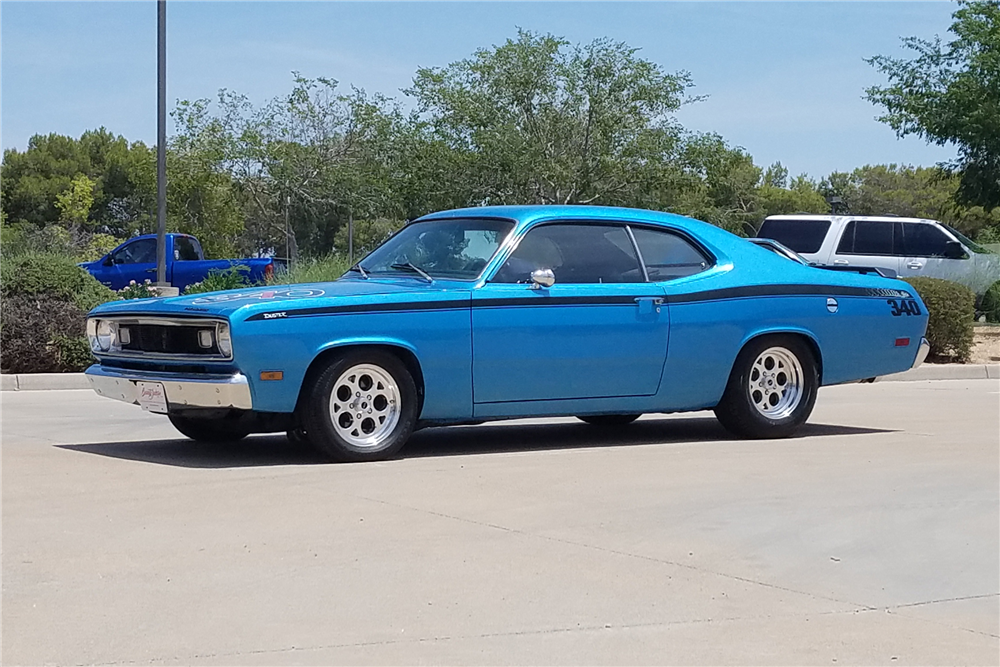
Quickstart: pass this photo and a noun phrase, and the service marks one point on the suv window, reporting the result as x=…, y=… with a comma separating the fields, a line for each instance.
x=920, y=240
x=863, y=237
x=577, y=254
x=137, y=252
x=668, y=256
x=799, y=235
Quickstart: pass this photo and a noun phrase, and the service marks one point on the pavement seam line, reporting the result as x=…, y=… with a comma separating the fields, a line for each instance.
x=617, y=552
x=484, y=635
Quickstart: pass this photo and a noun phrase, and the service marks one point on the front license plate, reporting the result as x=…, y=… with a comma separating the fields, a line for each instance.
x=152, y=397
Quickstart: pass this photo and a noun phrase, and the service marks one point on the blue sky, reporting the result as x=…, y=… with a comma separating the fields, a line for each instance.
x=784, y=80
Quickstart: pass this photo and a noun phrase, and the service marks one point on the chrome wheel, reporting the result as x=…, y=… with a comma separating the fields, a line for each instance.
x=775, y=383
x=364, y=406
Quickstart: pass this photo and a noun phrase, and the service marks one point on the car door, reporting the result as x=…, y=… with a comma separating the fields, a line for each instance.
x=867, y=243
x=924, y=251
x=133, y=261
x=599, y=331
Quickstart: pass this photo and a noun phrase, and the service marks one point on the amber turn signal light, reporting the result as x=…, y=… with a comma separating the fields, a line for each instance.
x=271, y=375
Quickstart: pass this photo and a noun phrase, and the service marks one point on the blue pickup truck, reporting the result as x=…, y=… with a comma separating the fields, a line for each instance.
x=186, y=264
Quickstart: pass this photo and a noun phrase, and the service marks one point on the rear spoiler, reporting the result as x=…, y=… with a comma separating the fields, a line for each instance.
x=864, y=270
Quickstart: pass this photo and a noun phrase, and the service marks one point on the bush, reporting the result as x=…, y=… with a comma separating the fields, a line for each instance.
x=58, y=276
x=136, y=290
x=235, y=277
x=951, y=308
x=990, y=304
x=42, y=334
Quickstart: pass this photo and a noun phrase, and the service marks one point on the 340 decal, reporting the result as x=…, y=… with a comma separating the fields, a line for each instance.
x=903, y=307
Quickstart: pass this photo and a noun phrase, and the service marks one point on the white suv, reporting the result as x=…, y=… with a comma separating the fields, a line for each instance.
x=908, y=246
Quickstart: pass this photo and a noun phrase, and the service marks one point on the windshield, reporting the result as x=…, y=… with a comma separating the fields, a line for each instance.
x=969, y=243
x=458, y=249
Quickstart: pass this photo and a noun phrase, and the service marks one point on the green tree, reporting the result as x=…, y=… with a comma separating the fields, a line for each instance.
x=75, y=202
x=950, y=94
x=537, y=120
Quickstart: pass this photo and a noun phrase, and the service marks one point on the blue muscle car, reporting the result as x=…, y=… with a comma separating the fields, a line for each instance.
x=499, y=312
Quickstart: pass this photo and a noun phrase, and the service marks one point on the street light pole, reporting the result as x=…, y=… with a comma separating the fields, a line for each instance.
x=161, y=143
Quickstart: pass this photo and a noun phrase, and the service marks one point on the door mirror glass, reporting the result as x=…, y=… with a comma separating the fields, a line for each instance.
x=543, y=278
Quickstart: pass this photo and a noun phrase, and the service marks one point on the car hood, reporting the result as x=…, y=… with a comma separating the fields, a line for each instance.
x=249, y=301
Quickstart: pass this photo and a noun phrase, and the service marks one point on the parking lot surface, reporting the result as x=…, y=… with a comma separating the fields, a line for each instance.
x=872, y=538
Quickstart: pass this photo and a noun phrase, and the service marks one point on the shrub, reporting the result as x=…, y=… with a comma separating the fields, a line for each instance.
x=990, y=304
x=58, y=276
x=42, y=334
x=136, y=290
x=951, y=308
x=235, y=277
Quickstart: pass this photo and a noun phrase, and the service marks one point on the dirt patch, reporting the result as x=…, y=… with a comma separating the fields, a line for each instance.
x=986, y=345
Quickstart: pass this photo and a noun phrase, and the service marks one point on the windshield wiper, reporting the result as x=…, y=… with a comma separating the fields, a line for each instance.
x=410, y=266
x=360, y=269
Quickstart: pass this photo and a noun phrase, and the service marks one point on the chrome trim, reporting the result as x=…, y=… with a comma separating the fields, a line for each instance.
x=542, y=278
x=182, y=390
x=132, y=320
x=922, y=352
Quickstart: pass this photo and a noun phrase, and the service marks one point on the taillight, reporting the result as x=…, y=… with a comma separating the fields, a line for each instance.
x=269, y=271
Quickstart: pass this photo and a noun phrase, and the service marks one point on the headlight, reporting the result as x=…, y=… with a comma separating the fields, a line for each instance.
x=92, y=335
x=225, y=341
x=105, y=335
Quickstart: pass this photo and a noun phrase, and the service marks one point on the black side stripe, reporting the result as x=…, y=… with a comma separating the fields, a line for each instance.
x=750, y=291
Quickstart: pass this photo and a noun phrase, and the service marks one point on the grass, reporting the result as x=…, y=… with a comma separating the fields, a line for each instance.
x=312, y=270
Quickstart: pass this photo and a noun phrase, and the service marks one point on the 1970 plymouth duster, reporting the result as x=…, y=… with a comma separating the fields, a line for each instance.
x=498, y=312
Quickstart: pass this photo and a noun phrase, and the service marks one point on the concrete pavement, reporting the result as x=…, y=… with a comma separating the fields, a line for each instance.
x=873, y=538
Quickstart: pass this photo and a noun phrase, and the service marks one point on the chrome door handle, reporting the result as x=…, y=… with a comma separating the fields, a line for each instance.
x=916, y=266
x=843, y=262
x=657, y=300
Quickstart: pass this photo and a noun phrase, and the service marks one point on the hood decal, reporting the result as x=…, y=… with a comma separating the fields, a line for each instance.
x=279, y=293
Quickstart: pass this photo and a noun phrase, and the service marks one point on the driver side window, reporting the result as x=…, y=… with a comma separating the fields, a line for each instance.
x=137, y=252
x=577, y=254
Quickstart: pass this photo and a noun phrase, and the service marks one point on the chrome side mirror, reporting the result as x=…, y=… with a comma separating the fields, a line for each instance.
x=542, y=278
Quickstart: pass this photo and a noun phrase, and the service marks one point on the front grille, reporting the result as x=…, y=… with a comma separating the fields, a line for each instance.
x=160, y=339
x=167, y=338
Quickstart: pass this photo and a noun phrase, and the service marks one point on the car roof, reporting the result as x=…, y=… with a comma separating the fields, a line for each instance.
x=526, y=215
x=862, y=218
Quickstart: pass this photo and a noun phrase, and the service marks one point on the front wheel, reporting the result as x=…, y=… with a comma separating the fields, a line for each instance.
x=771, y=390
x=208, y=430
x=361, y=407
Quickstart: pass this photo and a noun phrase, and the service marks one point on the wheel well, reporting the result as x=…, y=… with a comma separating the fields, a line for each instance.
x=406, y=356
x=808, y=340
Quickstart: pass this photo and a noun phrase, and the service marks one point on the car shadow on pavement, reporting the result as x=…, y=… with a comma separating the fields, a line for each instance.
x=492, y=438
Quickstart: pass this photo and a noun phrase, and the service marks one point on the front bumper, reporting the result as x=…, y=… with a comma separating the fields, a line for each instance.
x=922, y=351
x=202, y=391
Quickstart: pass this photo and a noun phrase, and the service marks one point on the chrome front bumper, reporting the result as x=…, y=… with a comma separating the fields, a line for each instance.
x=206, y=391
x=922, y=351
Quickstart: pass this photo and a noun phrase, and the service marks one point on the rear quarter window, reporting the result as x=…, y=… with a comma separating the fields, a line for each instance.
x=799, y=235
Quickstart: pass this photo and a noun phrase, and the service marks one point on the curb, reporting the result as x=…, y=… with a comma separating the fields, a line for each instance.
x=946, y=372
x=43, y=381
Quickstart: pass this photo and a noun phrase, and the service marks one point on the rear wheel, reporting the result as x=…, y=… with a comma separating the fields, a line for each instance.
x=771, y=390
x=608, y=420
x=208, y=430
x=361, y=407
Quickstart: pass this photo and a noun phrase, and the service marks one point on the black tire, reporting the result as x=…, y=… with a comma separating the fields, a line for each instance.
x=605, y=421
x=208, y=430
x=738, y=410
x=391, y=393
